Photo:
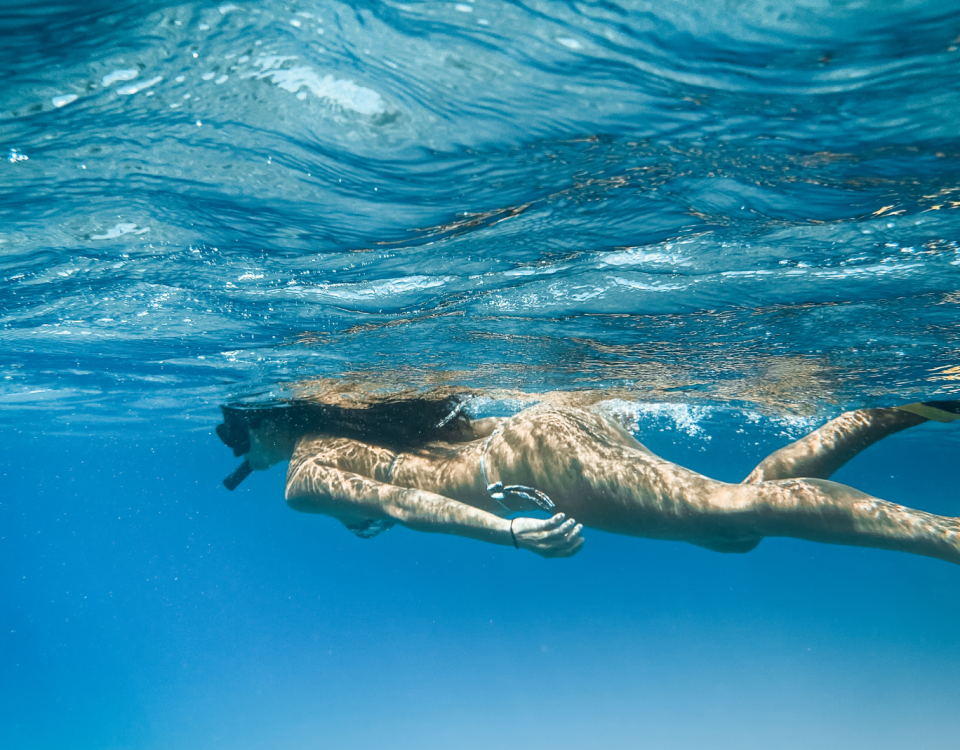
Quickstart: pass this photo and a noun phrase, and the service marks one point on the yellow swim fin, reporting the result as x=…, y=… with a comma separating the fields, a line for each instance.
x=938, y=411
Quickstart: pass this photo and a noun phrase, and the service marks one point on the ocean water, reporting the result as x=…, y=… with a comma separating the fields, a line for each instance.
x=736, y=218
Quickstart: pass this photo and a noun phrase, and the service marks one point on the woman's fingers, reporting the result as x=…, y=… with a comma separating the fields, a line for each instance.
x=567, y=548
x=561, y=531
x=558, y=536
x=542, y=529
x=574, y=532
x=553, y=522
x=537, y=525
x=572, y=537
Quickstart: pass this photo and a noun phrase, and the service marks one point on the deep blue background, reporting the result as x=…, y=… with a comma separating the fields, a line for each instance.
x=145, y=606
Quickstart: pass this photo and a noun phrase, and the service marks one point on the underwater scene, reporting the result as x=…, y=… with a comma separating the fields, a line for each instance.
x=495, y=373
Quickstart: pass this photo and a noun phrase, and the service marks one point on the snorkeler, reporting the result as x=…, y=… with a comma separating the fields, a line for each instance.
x=406, y=462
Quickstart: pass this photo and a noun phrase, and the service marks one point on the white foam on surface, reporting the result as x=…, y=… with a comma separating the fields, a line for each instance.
x=127, y=74
x=118, y=230
x=134, y=88
x=388, y=288
x=632, y=284
x=536, y=270
x=64, y=100
x=864, y=271
x=340, y=91
x=636, y=256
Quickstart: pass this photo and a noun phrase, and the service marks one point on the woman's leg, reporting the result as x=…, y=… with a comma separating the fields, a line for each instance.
x=794, y=499
x=824, y=511
x=822, y=452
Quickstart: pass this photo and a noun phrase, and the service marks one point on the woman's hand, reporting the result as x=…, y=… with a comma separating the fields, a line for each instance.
x=554, y=537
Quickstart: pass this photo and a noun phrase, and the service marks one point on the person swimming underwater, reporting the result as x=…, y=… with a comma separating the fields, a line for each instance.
x=422, y=463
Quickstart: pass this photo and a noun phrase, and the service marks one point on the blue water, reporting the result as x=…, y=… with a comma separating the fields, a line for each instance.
x=736, y=218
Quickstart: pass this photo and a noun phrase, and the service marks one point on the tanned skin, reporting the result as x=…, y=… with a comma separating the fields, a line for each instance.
x=597, y=473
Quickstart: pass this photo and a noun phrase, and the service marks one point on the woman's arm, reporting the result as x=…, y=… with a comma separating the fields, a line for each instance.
x=313, y=488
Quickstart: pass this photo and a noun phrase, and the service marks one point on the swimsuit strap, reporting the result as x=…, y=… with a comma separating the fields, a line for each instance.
x=393, y=465
x=483, y=455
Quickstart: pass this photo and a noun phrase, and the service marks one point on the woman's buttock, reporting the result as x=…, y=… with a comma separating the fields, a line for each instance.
x=594, y=471
x=556, y=449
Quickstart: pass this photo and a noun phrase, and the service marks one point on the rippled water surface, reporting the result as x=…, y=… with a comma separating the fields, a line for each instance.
x=743, y=201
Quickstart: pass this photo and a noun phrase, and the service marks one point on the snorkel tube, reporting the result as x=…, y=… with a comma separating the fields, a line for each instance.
x=234, y=432
x=237, y=475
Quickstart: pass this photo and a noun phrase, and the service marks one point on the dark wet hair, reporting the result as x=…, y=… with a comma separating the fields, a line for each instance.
x=400, y=423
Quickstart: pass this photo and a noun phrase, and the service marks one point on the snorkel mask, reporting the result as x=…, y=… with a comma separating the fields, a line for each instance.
x=235, y=434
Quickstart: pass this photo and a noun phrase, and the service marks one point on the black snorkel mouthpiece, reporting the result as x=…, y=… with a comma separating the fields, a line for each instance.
x=237, y=475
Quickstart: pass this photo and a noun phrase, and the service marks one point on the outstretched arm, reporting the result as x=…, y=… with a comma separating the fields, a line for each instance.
x=352, y=498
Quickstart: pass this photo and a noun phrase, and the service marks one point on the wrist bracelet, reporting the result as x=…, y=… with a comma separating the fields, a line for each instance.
x=512, y=535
